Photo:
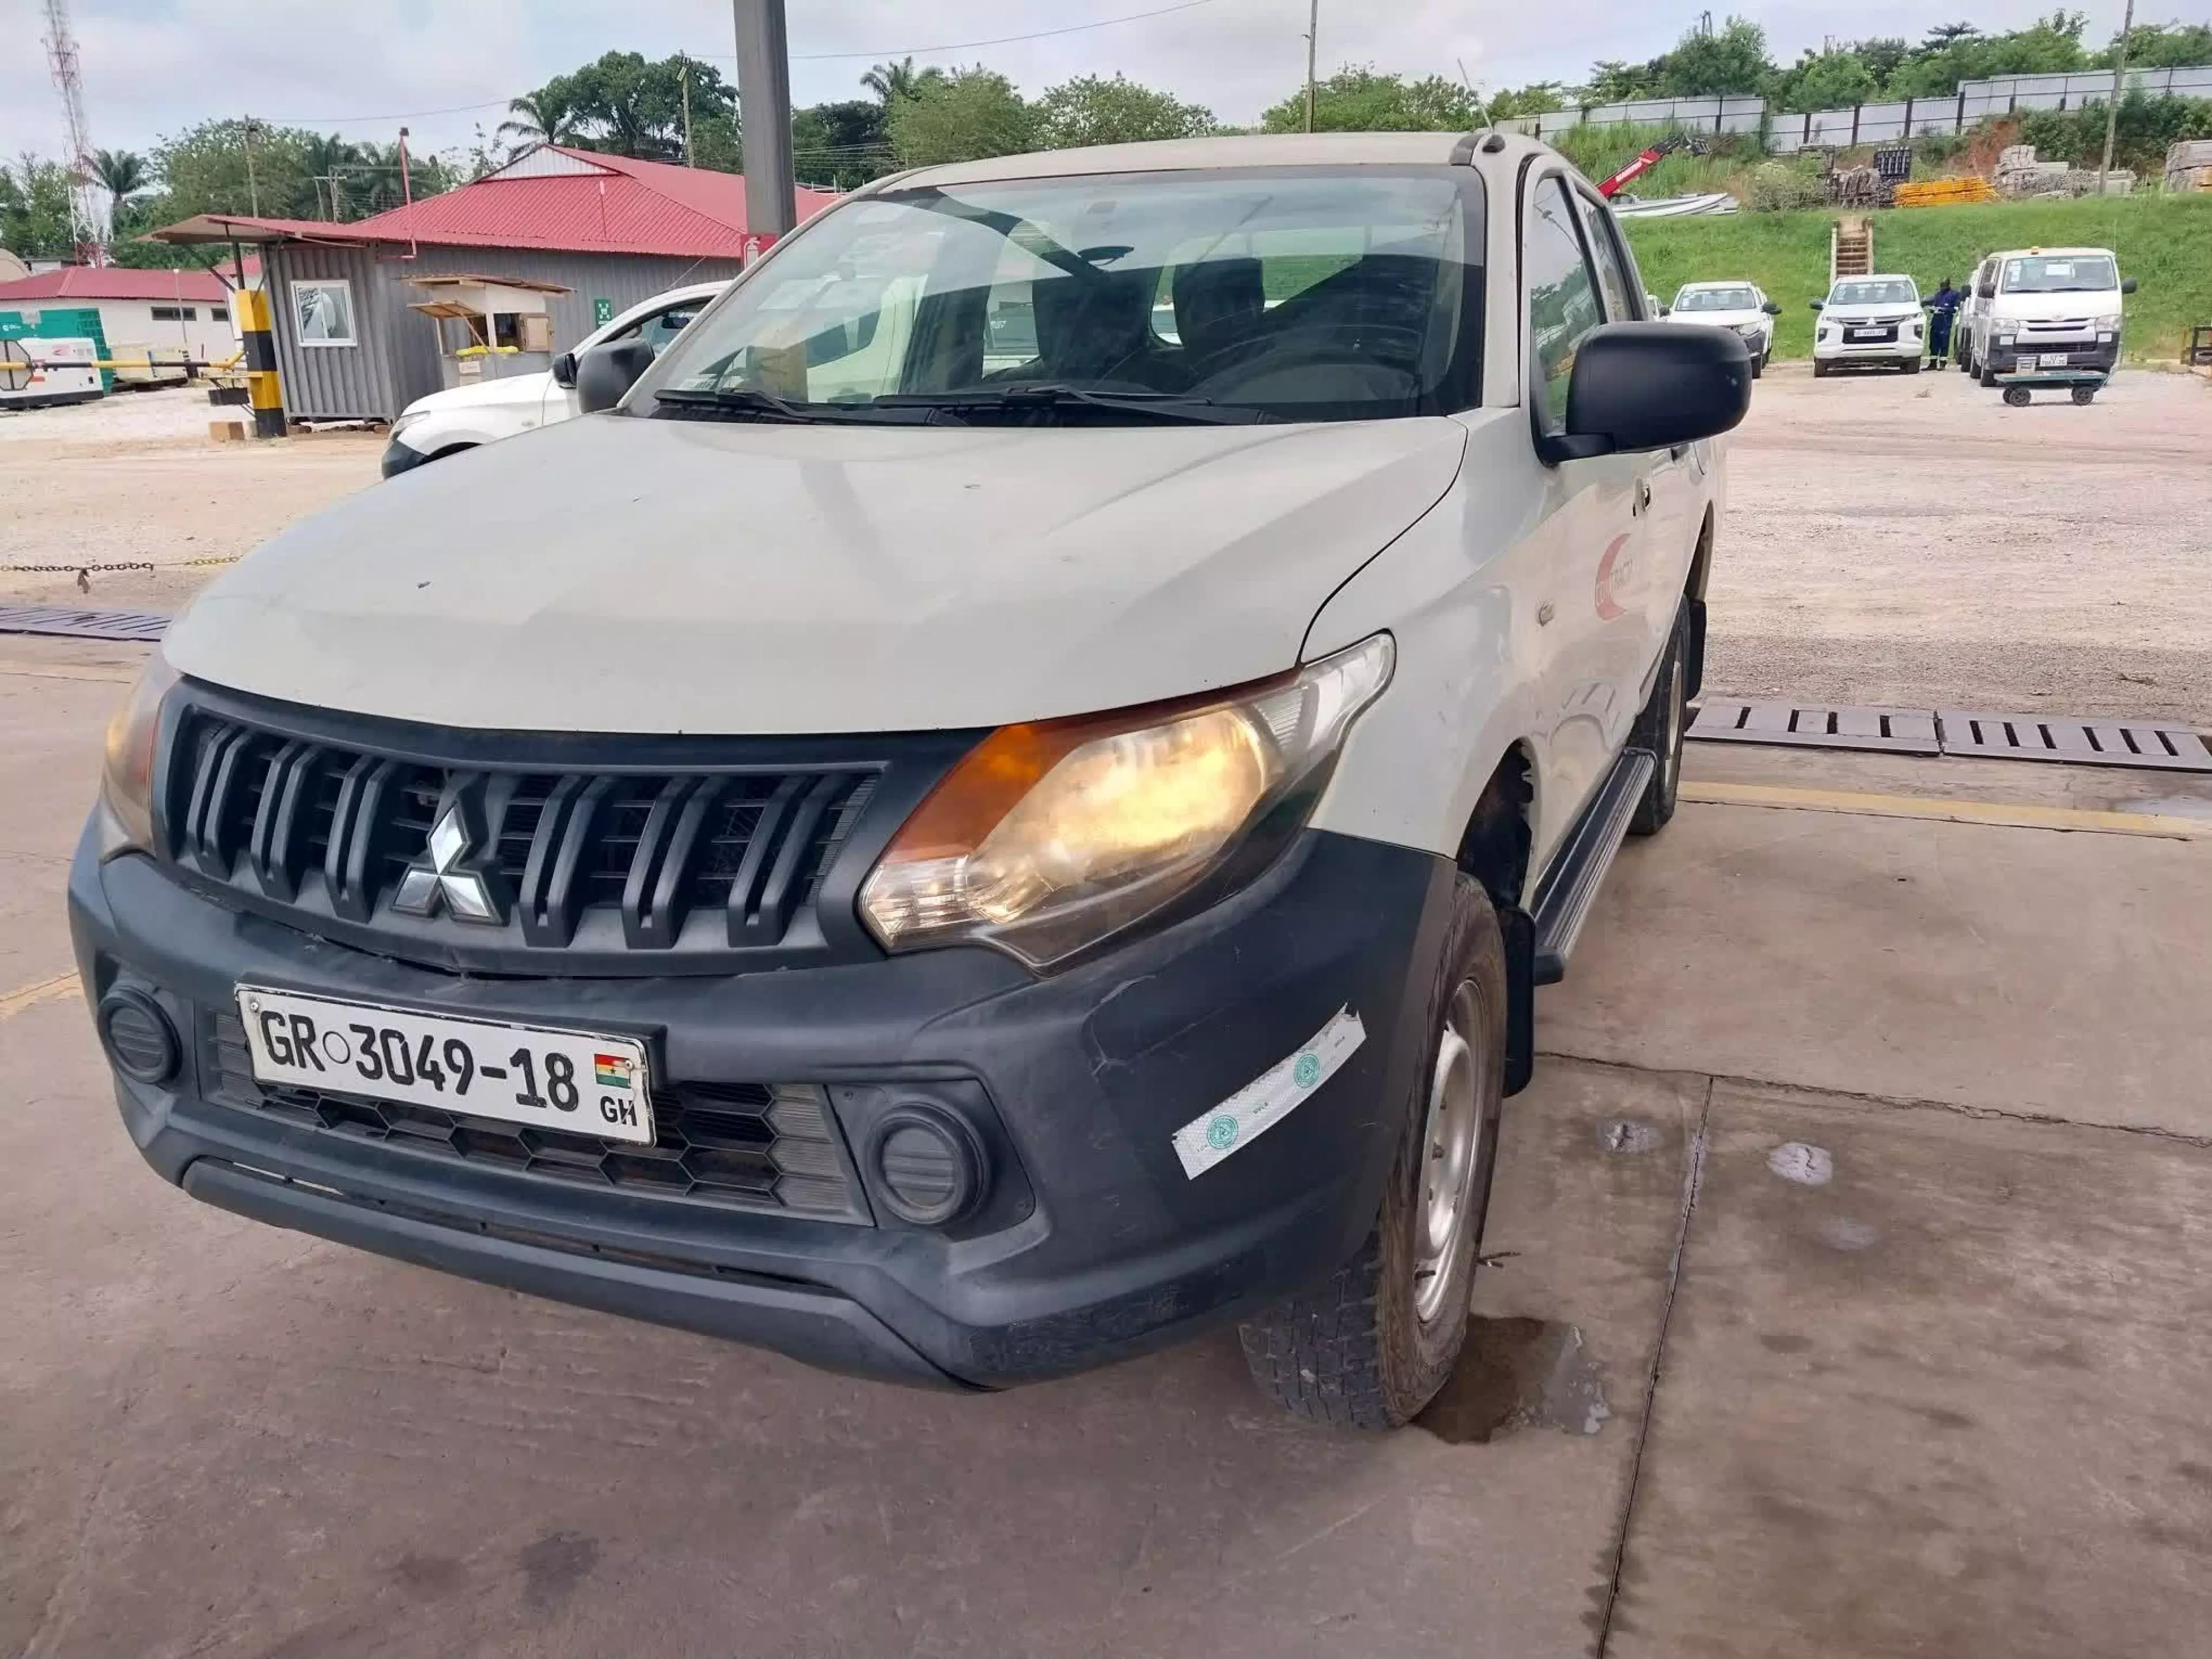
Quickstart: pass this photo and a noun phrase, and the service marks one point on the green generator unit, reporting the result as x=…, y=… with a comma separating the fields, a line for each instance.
x=52, y=323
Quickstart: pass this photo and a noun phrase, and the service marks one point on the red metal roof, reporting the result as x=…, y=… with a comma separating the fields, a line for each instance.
x=618, y=205
x=115, y=283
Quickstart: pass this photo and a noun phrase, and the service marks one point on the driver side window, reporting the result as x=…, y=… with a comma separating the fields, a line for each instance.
x=1563, y=300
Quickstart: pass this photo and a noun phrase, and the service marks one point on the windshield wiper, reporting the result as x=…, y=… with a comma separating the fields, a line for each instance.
x=1020, y=395
x=743, y=402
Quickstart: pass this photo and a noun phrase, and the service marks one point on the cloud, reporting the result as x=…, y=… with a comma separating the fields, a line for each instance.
x=157, y=66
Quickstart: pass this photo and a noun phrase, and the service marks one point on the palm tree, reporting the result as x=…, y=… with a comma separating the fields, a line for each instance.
x=547, y=118
x=899, y=80
x=121, y=173
x=326, y=160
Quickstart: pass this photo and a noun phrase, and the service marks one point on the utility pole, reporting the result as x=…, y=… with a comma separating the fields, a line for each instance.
x=1312, y=33
x=2112, y=109
x=252, y=184
x=764, y=102
x=683, y=77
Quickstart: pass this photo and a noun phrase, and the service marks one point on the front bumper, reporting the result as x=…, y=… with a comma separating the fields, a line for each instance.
x=2101, y=354
x=1095, y=1244
x=399, y=457
x=1905, y=349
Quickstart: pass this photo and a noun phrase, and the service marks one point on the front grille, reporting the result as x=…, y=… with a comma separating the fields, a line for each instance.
x=764, y=1147
x=580, y=863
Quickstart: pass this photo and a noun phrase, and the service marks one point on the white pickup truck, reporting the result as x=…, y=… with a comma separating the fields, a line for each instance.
x=463, y=417
x=942, y=831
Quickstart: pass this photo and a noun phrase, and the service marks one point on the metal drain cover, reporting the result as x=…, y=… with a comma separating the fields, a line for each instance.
x=1900, y=731
x=2080, y=741
x=83, y=624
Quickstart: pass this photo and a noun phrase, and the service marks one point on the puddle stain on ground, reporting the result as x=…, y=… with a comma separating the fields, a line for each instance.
x=1518, y=1374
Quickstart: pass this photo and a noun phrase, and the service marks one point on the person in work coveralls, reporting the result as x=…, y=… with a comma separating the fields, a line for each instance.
x=1943, y=307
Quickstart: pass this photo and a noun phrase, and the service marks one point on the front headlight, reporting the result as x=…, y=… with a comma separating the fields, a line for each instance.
x=1750, y=330
x=407, y=418
x=1048, y=838
x=2111, y=321
x=126, y=779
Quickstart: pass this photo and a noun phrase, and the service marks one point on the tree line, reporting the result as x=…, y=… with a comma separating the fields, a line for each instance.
x=682, y=108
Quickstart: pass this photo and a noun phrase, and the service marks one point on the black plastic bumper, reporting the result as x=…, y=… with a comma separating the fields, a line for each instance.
x=1096, y=1243
x=400, y=458
x=2006, y=360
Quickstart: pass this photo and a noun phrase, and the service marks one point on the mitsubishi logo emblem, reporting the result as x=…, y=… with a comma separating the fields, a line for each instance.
x=438, y=878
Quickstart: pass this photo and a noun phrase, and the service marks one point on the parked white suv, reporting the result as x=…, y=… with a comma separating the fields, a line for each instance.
x=2037, y=309
x=1873, y=320
x=463, y=416
x=1742, y=307
x=952, y=872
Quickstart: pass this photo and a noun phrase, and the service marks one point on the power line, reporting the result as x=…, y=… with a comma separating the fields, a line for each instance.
x=880, y=54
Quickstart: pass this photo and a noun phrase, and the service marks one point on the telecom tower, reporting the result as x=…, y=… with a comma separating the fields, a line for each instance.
x=84, y=201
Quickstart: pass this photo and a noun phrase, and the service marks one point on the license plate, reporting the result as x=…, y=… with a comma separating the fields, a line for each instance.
x=2050, y=361
x=1866, y=334
x=573, y=1080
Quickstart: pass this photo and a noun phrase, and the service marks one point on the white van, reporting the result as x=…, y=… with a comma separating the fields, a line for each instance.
x=2051, y=307
x=934, y=829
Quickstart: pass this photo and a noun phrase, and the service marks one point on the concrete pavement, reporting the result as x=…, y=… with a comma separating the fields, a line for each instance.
x=1940, y=1401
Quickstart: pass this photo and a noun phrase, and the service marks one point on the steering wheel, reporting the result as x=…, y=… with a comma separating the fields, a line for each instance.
x=1331, y=341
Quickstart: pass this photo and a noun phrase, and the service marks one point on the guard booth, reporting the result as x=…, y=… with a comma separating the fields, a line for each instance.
x=488, y=327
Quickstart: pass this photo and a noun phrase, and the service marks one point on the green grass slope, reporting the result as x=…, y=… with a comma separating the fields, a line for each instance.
x=2164, y=242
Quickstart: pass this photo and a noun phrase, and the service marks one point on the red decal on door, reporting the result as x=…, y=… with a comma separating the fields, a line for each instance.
x=1619, y=566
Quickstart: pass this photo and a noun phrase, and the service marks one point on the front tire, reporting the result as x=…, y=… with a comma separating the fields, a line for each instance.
x=1659, y=730
x=1371, y=1346
x=1819, y=369
x=1912, y=366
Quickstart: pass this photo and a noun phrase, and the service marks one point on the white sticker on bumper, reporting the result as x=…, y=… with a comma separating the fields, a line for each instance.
x=1268, y=1099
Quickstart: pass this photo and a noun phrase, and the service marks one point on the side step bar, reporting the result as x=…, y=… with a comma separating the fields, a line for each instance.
x=1570, y=887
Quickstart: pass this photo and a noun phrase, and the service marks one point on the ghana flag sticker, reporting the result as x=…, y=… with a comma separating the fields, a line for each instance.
x=613, y=1070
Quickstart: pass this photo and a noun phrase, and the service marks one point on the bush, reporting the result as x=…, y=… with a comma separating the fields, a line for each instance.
x=1784, y=187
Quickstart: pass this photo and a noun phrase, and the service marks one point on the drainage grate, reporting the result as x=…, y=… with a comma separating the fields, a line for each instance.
x=2095, y=743
x=1901, y=731
x=81, y=624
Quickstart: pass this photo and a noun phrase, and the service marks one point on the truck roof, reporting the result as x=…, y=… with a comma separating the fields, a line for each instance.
x=1295, y=149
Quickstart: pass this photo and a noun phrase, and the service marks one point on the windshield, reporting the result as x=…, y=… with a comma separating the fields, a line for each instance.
x=1716, y=299
x=1875, y=291
x=2061, y=273
x=1278, y=293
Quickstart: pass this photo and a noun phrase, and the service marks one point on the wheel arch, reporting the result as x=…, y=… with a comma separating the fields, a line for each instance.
x=1495, y=849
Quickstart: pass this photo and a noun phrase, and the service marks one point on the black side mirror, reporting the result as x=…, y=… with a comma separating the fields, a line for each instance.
x=1666, y=311
x=1646, y=385
x=564, y=370
x=2127, y=285
x=604, y=372
x=1816, y=306
x=1771, y=309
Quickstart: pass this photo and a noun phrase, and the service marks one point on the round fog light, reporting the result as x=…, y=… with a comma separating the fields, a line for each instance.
x=138, y=1036
x=929, y=1170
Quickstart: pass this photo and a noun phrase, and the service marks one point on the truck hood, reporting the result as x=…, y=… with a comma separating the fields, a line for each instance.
x=1719, y=318
x=1870, y=313
x=511, y=389
x=615, y=574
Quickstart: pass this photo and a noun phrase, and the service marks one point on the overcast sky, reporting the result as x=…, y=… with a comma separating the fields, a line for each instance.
x=154, y=66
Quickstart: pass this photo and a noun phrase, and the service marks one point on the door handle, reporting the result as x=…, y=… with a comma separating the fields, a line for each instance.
x=1545, y=612
x=1642, y=493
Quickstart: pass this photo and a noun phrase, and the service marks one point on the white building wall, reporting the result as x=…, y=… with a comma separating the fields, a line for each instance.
x=132, y=328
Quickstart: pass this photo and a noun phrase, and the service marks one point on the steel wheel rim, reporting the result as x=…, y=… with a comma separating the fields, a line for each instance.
x=1451, y=1147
